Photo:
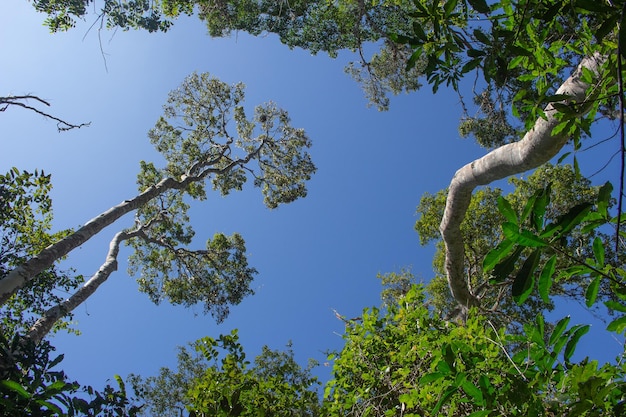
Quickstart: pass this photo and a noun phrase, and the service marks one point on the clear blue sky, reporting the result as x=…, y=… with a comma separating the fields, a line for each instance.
x=314, y=255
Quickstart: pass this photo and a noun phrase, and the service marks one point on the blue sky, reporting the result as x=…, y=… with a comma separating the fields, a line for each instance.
x=315, y=255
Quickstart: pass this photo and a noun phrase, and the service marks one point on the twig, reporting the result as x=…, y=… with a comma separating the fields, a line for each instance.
x=19, y=101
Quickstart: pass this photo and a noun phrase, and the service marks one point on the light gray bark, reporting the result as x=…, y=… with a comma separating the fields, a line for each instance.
x=537, y=147
x=21, y=275
x=45, y=323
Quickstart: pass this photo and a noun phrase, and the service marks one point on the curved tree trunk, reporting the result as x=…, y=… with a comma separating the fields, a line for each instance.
x=537, y=147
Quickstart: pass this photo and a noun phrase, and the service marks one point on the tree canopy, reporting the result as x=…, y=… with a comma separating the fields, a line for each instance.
x=540, y=75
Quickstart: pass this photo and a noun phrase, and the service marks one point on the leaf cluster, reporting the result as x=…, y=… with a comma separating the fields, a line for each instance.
x=25, y=223
x=30, y=386
x=407, y=361
x=219, y=381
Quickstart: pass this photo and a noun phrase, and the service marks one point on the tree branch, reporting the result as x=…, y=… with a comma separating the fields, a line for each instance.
x=537, y=147
x=45, y=323
x=19, y=276
x=19, y=101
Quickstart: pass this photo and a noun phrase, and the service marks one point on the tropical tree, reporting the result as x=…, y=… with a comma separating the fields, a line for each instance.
x=481, y=233
x=217, y=380
x=406, y=360
x=547, y=70
x=195, y=136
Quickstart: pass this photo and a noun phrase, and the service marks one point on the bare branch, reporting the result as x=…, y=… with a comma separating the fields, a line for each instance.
x=20, y=101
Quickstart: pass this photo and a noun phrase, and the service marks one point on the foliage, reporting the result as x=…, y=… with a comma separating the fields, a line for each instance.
x=194, y=137
x=219, y=381
x=25, y=223
x=395, y=286
x=482, y=233
x=29, y=386
x=407, y=361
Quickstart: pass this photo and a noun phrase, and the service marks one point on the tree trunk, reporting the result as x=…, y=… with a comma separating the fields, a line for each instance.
x=22, y=274
x=537, y=147
x=45, y=323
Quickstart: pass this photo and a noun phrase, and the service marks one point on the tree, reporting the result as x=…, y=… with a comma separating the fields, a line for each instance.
x=481, y=233
x=405, y=360
x=194, y=136
x=219, y=381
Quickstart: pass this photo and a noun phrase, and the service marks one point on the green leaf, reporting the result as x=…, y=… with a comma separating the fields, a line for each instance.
x=559, y=328
x=444, y=368
x=618, y=325
x=428, y=378
x=15, y=387
x=573, y=217
x=470, y=65
x=614, y=305
x=528, y=208
x=576, y=168
x=592, y=291
x=444, y=398
x=562, y=157
x=523, y=237
x=598, y=251
x=564, y=108
x=481, y=413
x=539, y=208
x=449, y=7
x=480, y=6
x=504, y=268
x=525, y=278
x=516, y=62
x=545, y=279
x=474, y=392
x=590, y=5
x=604, y=198
x=570, y=347
x=496, y=254
x=413, y=59
x=504, y=207
x=56, y=361
x=481, y=37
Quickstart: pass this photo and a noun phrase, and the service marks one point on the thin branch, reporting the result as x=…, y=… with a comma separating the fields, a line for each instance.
x=620, y=83
x=19, y=101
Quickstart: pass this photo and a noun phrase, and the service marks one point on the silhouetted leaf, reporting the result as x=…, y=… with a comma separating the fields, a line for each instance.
x=524, y=280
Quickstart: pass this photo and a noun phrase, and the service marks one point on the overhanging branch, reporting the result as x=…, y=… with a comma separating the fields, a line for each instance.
x=537, y=147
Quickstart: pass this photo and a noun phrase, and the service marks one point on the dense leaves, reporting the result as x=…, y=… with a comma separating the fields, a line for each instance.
x=218, y=381
x=204, y=135
x=25, y=223
x=408, y=361
x=30, y=385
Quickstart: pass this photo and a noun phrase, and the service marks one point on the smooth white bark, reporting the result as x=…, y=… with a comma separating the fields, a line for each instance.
x=20, y=276
x=45, y=323
x=537, y=147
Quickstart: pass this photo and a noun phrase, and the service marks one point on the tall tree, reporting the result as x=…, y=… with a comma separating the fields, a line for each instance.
x=553, y=66
x=195, y=136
